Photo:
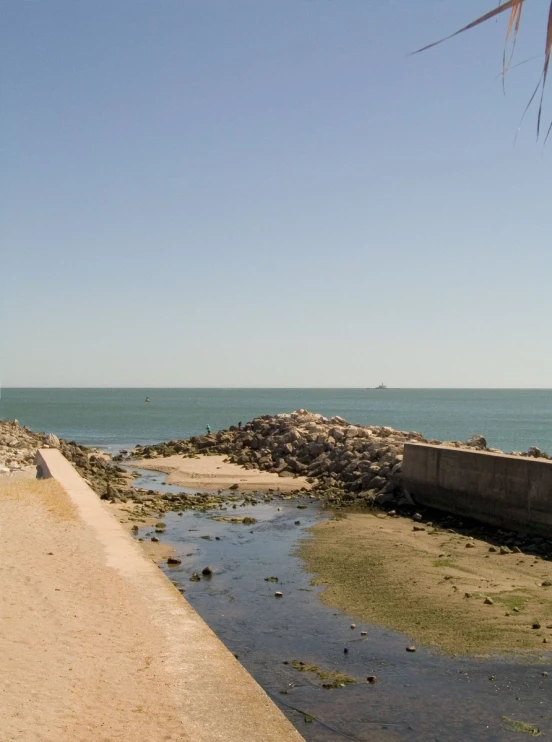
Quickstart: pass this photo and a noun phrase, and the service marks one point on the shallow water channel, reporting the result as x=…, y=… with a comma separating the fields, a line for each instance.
x=416, y=696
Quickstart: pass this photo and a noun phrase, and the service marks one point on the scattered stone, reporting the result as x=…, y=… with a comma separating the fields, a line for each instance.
x=155, y=539
x=353, y=625
x=544, y=674
x=371, y=679
x=174, y=560
x=278, y=594
x=536, y=625
x=271, y=579
x=505, y=550
x=195, y=577
x=546, y=583
x=364, y=633
x=297, y=522
x=207, y=571
x=488, y=601
x=418, y=528
x=492, y=548
x=417, y=517
x=470, y=545
x=411, y=649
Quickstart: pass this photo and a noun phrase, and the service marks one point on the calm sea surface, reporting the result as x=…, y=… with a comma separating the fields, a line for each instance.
x=511, y=420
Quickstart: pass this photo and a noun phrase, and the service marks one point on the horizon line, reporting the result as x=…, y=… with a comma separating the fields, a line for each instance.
x=290, y=388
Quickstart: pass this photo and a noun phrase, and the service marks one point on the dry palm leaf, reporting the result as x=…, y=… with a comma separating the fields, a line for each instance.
x=515, y=7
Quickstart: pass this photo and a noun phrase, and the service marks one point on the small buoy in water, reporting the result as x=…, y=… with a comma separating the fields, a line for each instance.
x=278, y=594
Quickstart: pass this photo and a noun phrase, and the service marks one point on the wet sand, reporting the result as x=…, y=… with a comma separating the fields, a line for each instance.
x=207, y=473
x=432, y=585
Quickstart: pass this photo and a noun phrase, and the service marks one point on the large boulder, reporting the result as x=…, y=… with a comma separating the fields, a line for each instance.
x=52, y=440
x=476, y=441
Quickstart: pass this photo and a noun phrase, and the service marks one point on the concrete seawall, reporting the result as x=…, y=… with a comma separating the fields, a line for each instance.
x=503, y=490
x=218, y=700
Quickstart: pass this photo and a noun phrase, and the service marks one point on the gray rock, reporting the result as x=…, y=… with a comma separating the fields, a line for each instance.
x=52, y=441
x=476, y=441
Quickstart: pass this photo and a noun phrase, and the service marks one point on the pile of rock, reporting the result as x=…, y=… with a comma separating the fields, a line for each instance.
x=346, y=463
x=18, y=446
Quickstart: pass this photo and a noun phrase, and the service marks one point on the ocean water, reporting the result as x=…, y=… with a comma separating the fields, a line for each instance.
x=511, y=420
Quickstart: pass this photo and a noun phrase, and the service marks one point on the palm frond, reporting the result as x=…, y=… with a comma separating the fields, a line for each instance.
x=514, y=22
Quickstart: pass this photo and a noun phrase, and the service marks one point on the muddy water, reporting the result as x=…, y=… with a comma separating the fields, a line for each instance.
x=416, y=696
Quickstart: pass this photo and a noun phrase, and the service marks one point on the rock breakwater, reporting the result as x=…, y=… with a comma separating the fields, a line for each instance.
x=346, y=463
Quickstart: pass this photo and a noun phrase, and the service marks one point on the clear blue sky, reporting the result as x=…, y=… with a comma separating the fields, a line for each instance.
x=270, y=193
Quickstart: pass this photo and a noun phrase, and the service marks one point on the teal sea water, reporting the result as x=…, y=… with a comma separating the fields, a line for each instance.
x=511, y=420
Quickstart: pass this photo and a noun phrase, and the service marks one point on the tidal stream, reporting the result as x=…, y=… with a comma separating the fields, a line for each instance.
x=416, y=695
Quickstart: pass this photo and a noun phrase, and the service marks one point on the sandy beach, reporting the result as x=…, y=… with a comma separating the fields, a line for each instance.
x=432, y=585
x=208, y=473
x=78, y=659
x=96, y=646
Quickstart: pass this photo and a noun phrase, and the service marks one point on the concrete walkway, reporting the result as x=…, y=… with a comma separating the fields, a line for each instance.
x=96, y=644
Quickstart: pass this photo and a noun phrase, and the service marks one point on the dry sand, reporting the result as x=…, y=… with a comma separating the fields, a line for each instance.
x=77, y=661
x=87, y=653
x=380, y=570
x=207, y=473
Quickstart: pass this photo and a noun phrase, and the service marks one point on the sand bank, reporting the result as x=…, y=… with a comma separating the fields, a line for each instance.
x=432, y=585
x=207, y=473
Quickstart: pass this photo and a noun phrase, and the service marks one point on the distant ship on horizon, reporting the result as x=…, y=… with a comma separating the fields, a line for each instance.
x=381, y=386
